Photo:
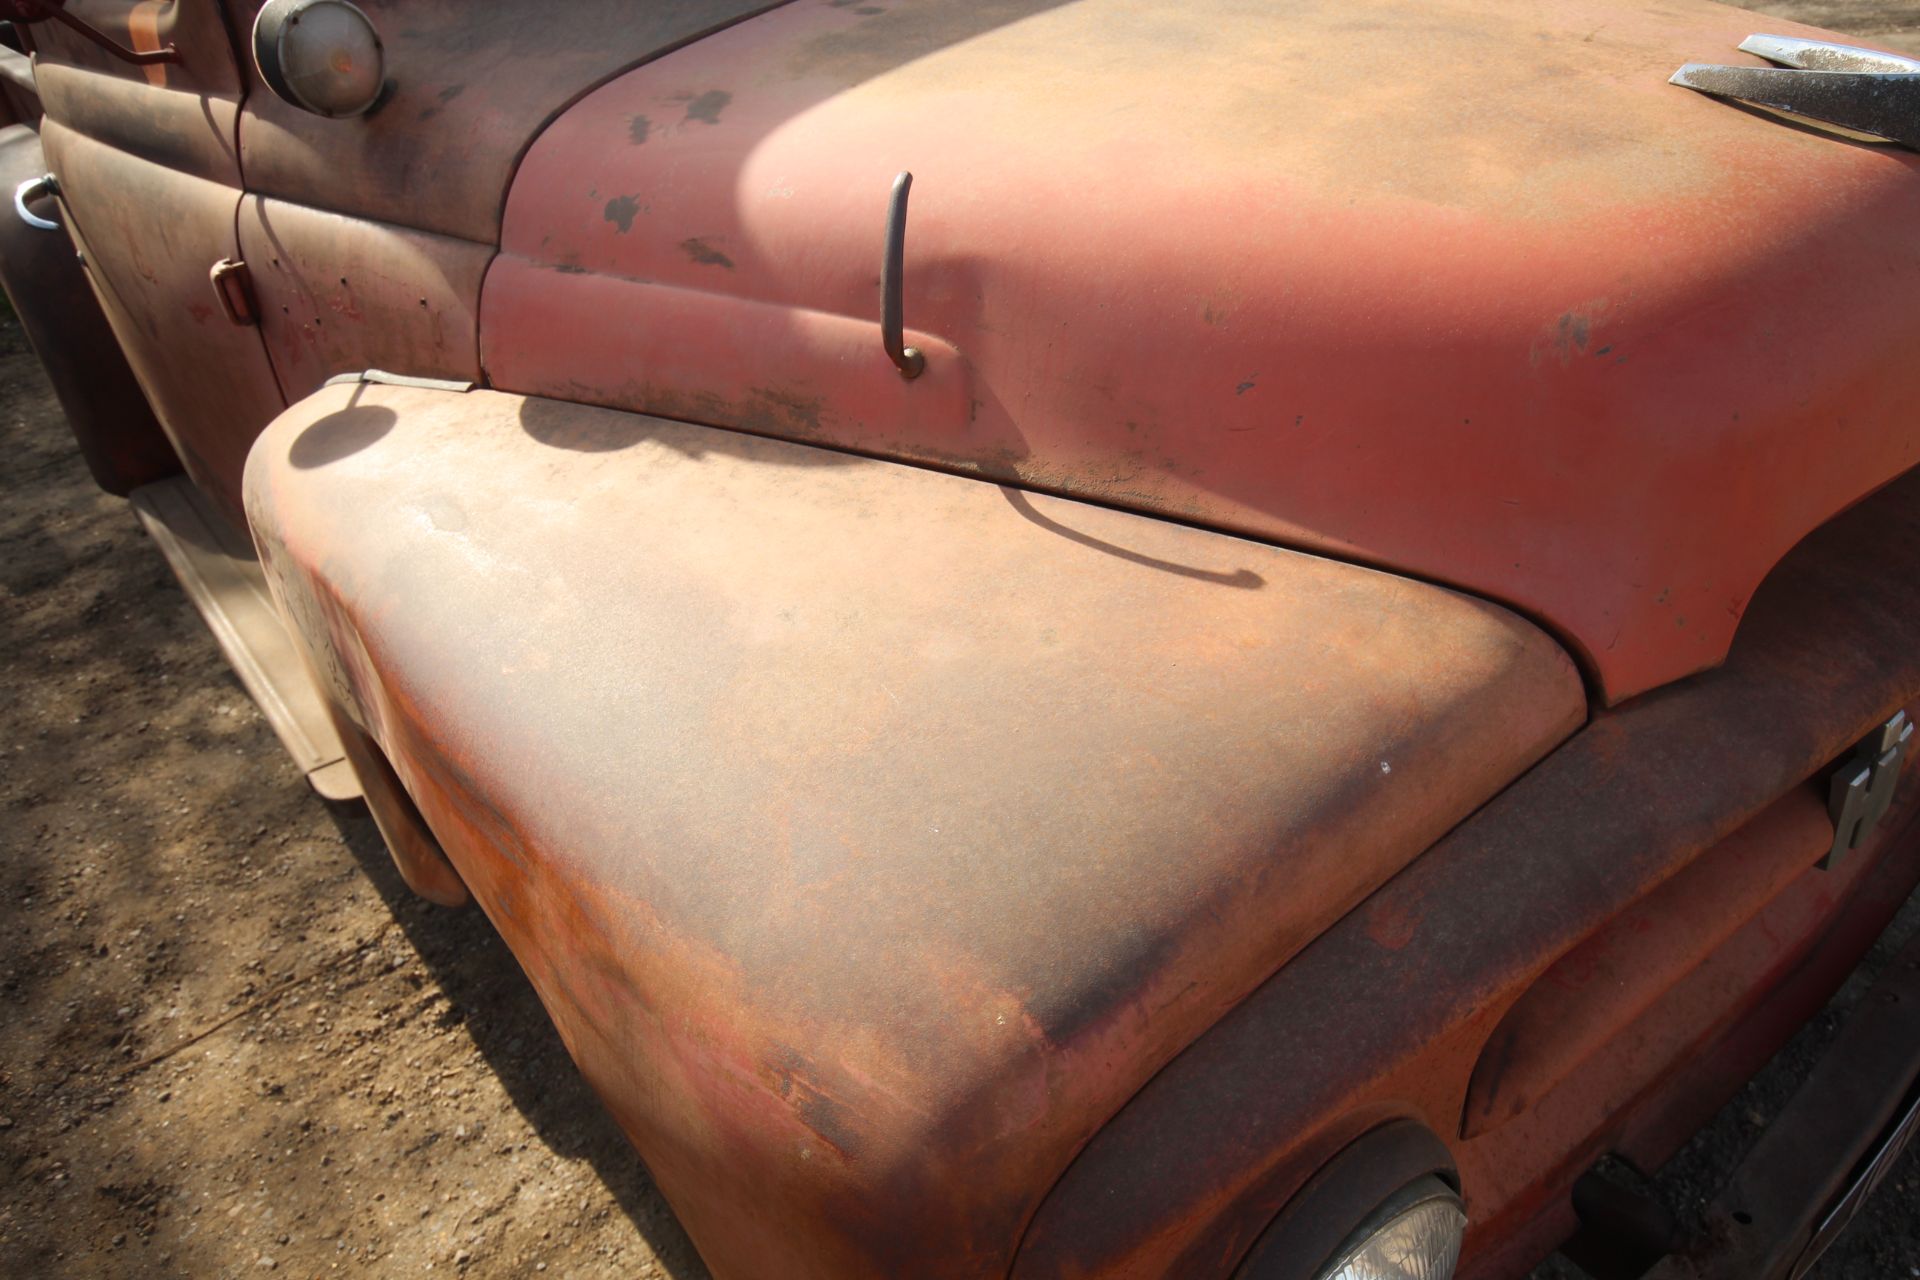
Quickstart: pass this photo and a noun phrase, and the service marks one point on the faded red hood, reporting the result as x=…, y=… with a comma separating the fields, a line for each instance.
x=1462, y=288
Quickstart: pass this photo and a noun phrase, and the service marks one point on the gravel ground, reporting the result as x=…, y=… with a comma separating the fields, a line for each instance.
x=235, y=1044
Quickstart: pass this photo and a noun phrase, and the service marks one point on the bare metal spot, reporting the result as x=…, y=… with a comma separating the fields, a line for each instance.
x=1571, y=334
x=707, y=107
x=621, y=211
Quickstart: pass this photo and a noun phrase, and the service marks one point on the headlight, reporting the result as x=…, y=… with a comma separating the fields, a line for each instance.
x=1415, y=1235
x=1384, y=1208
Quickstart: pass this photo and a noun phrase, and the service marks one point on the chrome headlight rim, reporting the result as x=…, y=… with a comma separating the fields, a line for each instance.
x=1416, y=1197
x=290, y=73
x=1378, y=1176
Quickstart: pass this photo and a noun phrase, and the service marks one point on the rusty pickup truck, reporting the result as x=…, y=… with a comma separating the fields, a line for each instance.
x=1070, y=637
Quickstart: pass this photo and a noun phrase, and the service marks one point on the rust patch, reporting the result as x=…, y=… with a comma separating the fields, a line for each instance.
x=800, y=1088
x=1620, y=823
x=798, y=414
x=703, y=253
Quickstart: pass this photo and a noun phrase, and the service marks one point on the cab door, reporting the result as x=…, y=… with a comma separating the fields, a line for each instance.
x=147, y=161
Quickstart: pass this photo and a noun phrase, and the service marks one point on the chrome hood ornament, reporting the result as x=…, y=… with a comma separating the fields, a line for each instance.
x=1859, y=89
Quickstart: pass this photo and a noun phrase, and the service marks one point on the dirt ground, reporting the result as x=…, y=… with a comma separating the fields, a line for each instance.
x=232, y=1043
x=1892, y=23
x=230, y=1040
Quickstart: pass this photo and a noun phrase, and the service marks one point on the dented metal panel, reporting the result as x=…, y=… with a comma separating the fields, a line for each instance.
x=1504, y=308
x=872, y=834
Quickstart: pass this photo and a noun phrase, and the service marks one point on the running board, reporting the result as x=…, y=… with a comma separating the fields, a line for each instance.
x=223, y=578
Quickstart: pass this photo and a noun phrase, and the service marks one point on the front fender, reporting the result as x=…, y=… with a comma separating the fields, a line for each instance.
x=872, y=834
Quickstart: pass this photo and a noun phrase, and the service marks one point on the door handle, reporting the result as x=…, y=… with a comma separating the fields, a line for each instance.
x=233, y=286
x=33, y=189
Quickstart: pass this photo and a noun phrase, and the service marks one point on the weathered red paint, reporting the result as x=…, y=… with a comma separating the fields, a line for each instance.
x=366, y=239
x=472, y=83
x=1531, y=1158
x=150, y=182
x=1346, y=276
x=701, y=718
x=19, y=99
x=1388, y=1012
x=150, y=234
x=870, y=833
x=1830, y=1148
x=341, y=294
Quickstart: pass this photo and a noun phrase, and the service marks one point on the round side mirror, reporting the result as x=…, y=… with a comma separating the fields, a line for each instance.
x=322, y=56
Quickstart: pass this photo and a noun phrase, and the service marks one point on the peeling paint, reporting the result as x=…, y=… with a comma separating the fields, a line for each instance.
x=621, y=211
x=707, y=107
x=703, y=253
